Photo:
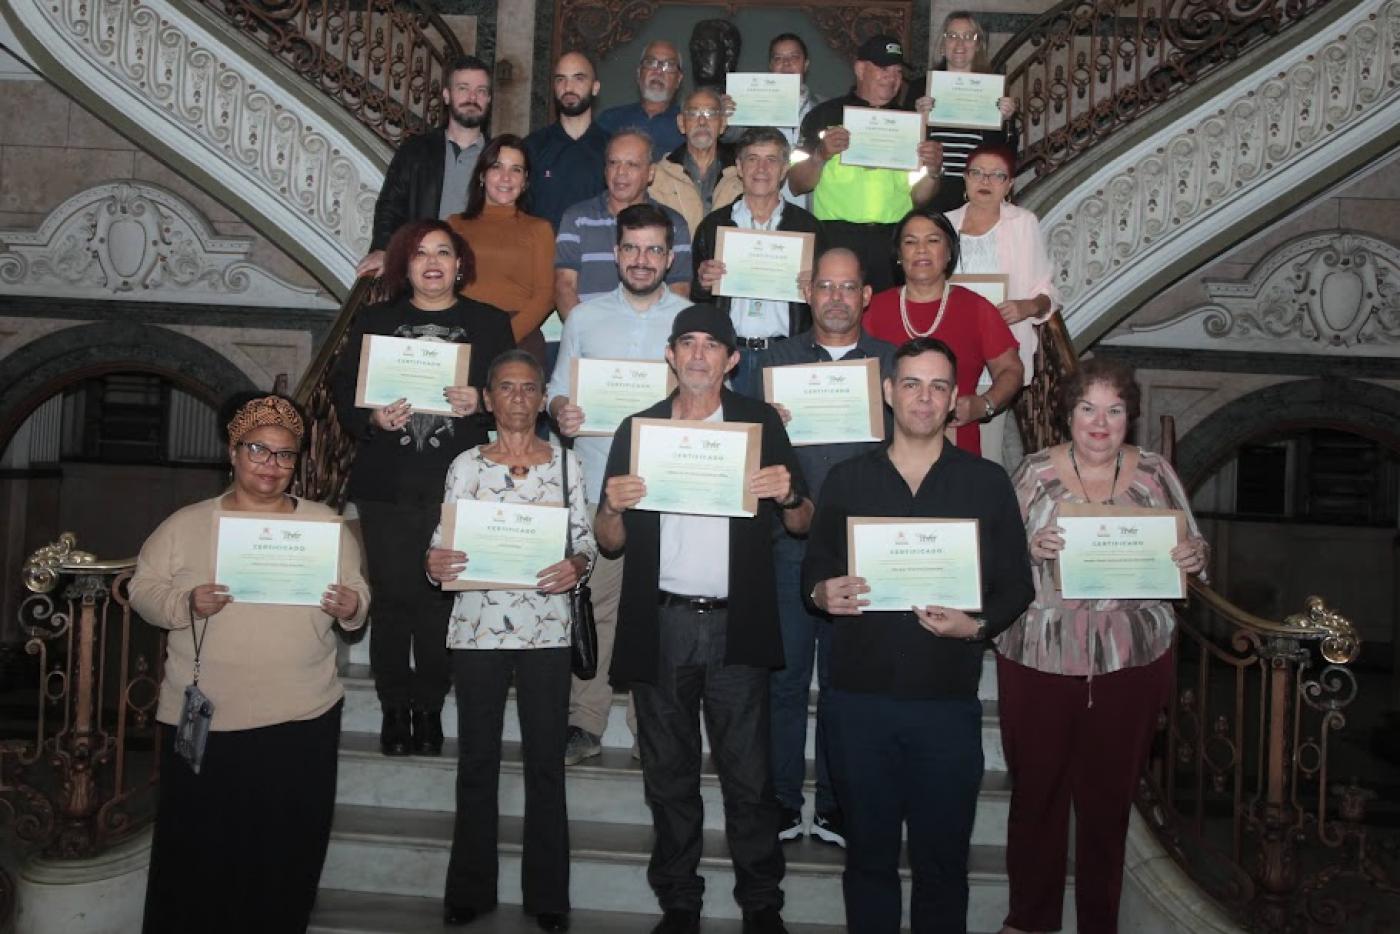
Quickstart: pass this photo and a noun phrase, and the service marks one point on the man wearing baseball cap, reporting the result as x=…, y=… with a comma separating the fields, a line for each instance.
x=680, y=640
x=860, y=206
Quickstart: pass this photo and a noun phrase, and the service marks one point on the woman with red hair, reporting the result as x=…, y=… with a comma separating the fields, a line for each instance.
x=401, y=459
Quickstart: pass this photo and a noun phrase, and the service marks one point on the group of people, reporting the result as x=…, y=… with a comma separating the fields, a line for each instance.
x=613, y=222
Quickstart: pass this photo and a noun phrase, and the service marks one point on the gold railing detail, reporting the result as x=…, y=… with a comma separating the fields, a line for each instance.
x=384, y=61
x=1085, y=69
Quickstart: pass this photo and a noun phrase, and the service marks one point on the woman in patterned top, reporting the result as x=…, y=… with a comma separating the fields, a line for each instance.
x=1080, y=682
x=513, y=636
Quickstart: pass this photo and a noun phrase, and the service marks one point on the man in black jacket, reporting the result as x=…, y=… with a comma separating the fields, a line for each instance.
x=680, y=640
x=428, y=175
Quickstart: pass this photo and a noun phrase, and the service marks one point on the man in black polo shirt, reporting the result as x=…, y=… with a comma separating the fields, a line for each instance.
x=566, y=157
x=680, y=641
x=903, y=715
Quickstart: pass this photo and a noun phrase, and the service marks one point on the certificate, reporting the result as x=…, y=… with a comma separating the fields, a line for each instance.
x=830, y=403
x=267, y=558
x=763, y=264
x=610, y=390
x=695, y=467
x=764, y=99
x=883, y=139
x=916, y=562
x=393, y=368
x=1119, y=552
x=507, y=544
x=967, y=100
x=991, y=286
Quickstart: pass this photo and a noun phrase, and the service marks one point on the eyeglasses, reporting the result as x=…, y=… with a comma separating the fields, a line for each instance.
x=796, y=58
x=701, y=113
x=630, y=250
x=961, y=36
x=662, y=65
x=978, y=175
x=259, y=454
x=845, y=288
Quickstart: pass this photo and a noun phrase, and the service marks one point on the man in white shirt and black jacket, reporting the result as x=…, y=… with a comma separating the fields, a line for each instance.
x=680, y=640
x=904, y=720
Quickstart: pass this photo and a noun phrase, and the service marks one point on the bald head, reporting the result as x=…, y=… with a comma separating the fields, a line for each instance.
x=838, y=295
x=575, y=84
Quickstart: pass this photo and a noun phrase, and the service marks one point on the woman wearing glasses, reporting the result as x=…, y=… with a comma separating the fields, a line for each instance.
x=995, y=236
x=401, y=457
x=965, y=50
x=266, y=780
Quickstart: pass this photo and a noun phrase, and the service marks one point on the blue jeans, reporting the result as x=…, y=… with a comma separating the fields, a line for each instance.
x=898, y=761
x=791, y=687
x=747, y=376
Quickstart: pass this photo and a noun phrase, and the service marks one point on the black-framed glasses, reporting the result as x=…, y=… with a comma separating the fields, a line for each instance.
x=259, y=453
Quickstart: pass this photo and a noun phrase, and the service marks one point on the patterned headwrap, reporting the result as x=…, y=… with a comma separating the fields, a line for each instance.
x=268, y=410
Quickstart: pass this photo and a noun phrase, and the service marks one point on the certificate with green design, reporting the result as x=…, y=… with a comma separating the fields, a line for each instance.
x=1119, y=552
x=830, y=403
x=762, y=98
x=696, y=467
x=507, y=544
x=916, y=562
x=883, y=139
x=769, y=264
x=609, y=390
x=393, y=368
x=966, y=99
x=268, y=558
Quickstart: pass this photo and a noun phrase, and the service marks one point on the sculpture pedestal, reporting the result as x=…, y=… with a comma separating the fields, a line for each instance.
x=102, y=895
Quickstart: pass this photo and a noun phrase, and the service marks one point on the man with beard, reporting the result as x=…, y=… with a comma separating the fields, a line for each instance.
x=837, y=294
x=699, y=175
x=429, y=174
x=566, y=157
x=632, y=321
x=583, y=247
x=659, y=76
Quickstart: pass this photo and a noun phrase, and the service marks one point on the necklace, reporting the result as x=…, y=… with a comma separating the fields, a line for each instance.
x=904, y=314
x=519, y=470
x=1117, y=466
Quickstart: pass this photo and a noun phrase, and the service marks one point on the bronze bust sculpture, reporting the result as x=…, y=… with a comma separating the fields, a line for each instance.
x=714, y=51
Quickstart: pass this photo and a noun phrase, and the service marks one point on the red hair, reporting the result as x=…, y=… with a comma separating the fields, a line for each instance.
x=404, y=243
x=1001, y=151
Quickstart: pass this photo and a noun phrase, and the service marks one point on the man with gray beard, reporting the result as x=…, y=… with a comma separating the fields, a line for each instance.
x=659, y=76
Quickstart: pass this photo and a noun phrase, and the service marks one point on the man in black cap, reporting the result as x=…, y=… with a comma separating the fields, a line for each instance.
x=680, y=641
x=860, y=206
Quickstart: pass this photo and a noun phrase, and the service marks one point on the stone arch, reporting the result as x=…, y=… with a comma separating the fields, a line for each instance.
x=1363, y=408
x=37, y=370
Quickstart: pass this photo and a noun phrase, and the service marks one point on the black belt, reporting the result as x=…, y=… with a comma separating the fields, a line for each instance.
x=666, y=599
x=760, y=343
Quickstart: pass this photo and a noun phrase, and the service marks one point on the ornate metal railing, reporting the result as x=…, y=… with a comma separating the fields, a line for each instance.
x=324, y=469
x=384, y=61
x=86, y=777
x=1085, y=69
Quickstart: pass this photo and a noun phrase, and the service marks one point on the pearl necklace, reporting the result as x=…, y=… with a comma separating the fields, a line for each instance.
x=904, y=313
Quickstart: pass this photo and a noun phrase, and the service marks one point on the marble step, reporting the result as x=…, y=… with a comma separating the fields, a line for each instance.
x=405, y=852
x=340, y=912
x=363, y=715
x=605, y=789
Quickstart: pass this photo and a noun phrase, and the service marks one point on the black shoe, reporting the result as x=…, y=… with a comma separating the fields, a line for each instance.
x=427, y=732
x=829, y=828
x=396, y=735
x=552, y=920
x=764, y=921
x=790, y=825
x=679, y=922
x=457, y=916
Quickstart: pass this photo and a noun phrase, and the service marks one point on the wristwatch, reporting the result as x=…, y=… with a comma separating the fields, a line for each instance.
x=991, y=409
x=981, y=633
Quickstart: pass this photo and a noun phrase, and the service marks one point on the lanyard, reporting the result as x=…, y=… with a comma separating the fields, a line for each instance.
x=196, y=638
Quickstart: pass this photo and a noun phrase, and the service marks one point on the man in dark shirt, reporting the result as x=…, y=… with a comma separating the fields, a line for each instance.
x=659, y=76
x=903, y=715
x=566, y=157
x=837, y=296
x=681, y=641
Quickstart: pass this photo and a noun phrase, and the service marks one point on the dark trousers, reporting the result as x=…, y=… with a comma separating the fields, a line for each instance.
x=482, y=677
x=804, y=636
x=735, y=700
x=409, y=615
x=1062, y=751
x=896, y=761
x=873, y=243
x=239, y=847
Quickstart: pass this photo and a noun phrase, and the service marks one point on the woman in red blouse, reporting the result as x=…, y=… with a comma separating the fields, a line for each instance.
x=926, y=249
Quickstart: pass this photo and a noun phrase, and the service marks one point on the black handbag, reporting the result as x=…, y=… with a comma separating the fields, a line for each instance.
x=583, y=632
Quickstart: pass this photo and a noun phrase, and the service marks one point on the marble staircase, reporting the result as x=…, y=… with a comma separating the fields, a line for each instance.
x=393, y=828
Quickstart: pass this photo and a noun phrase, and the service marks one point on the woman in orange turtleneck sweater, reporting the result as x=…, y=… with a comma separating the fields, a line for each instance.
x=514, y=251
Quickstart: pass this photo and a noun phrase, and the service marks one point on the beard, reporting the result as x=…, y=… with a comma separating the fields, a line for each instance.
x=579, y=106
x=469, y=121
x=656, y=92
x=641, y=290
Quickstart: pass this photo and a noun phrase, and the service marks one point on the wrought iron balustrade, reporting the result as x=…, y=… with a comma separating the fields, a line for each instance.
x=1085, y=69
x=385, y=61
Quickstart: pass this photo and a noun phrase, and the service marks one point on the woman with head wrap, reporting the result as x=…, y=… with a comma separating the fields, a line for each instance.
x=239, y=844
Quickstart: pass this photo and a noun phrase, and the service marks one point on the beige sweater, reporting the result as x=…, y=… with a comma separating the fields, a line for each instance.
x=259, y=664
